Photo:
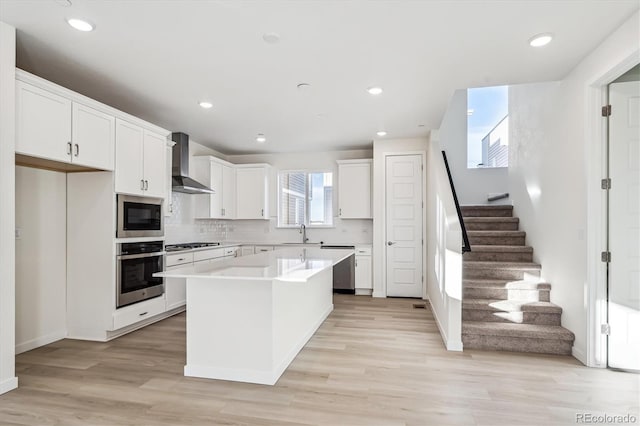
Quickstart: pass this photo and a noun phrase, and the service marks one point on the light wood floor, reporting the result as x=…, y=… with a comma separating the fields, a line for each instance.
x=373, y=362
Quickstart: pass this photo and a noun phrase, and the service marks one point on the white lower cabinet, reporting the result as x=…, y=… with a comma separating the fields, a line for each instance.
x=246, y=250
x=138, y=312
x=175, y=289
x=363, y=272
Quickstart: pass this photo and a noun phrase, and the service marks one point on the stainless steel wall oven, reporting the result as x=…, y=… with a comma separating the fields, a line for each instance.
x=135, y=265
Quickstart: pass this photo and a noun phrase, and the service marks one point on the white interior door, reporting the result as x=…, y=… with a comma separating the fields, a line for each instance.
x=624, y=225
x=403, y=187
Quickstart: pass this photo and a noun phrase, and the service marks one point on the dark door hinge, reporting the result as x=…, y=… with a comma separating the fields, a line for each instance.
x=606, y=110
x=605, y=256
x=605, y=183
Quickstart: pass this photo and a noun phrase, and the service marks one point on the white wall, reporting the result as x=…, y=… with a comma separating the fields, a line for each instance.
x=556, y=162
x=347, y=231
x=41, y=274
x=444, y=250
x=472, y=185
x=380, y=149
x=8, y=379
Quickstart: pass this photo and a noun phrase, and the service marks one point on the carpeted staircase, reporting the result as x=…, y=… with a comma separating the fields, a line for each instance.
x=505, y=304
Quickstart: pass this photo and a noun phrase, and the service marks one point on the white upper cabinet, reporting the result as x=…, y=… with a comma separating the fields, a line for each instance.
x=140, y=161
x=52, y=127
x=93, y=133
x=354, y=189
x=252, y=191
x=221, y=177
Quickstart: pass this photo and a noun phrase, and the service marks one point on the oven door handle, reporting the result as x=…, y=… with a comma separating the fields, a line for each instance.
x=140, y=256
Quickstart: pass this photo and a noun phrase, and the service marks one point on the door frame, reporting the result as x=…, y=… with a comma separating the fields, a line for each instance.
x=596, y=135
x=423, y=158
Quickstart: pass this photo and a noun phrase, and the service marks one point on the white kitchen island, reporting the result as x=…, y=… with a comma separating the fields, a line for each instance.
x=248, y=317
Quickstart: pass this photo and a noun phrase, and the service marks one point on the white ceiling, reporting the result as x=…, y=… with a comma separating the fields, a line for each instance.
x=157, y=59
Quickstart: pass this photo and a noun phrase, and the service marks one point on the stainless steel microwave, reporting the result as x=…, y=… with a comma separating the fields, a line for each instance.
x=139, y=217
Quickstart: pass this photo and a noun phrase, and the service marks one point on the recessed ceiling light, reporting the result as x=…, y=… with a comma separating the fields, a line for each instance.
x=470, y=111
x=540, y=40
x=374, y=90
x=381, y=133
x=80, y=24
x=205, y=104
x=303, y=86
x=420, y=125
x=271, y=38
x=261, y=138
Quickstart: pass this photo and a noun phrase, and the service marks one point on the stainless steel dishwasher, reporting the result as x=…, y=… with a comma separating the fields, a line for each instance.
x=344, y=272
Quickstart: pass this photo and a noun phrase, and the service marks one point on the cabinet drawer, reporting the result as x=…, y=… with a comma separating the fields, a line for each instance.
x=260, y=249
x=179, y=259
x=138, y=312
x=207, y=254
x=230, y=251
x=363, y=251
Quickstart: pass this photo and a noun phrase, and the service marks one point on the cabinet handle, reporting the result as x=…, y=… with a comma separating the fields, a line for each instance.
x=222, y=212
x=339, y=212
x=142, y=184
x=181, y=259
x=69, y=148
x=146, y=185
x=262, y=212
x=356, y=263
x=170, y=207
x=144, y=313
x=77, y=150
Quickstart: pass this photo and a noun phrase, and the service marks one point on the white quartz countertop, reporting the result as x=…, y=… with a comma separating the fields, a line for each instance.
x=286, y=264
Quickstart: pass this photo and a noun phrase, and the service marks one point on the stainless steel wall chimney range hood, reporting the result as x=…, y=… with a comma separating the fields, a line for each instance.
x=180, y=180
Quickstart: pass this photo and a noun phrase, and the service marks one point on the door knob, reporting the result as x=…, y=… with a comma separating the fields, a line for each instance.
x=390, y=243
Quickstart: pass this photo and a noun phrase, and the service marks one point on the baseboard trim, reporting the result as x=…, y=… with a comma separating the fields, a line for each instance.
x=8, y=385
x=580, y=355
x=455, y=346
x=40, y=341
x=378, y=294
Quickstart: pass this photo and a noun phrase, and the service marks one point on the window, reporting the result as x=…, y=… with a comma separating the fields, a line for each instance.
x=305, y=198
x=488, y=127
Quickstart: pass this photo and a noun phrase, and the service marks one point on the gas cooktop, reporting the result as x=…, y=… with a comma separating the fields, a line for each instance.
x=188, y=246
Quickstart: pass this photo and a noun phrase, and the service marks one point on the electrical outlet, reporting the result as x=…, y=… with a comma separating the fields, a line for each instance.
x=18, y=233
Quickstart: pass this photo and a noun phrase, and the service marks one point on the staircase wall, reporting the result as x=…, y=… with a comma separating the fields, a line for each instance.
x=555, y=167
x=444, y=251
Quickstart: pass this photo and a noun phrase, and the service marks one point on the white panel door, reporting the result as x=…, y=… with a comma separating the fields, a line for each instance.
x=624, y=225
x=128, y=167
x=93, y=134
x=154, y=164
x=43, y=123
x=404, y=225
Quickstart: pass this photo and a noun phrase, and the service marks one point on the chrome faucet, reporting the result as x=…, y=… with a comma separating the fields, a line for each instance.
x=303, y=231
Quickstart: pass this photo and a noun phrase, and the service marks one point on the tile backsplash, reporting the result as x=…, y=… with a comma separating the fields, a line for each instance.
x=181, y=227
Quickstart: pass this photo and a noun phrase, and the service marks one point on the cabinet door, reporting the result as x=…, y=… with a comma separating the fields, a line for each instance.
x=43, y=123
x=228, y=192
x=175, y=290
x=93, y=133
x=363, y=272
x=168, y=201
x=246, y=250
x=154, y=163
x=215, y=182
x=354, y=191
x=128, y=167
x=251, y=191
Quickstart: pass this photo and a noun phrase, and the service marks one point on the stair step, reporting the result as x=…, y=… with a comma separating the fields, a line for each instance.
x=517, y=311
x=506, y=238
x=486, y=210
x=500, y=253
x=479, y=223
x=517, y=337
x=532, y=290
x=501, y=270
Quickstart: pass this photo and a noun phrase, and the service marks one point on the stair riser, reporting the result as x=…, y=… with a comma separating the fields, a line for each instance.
x=517, y=317
x=490, y=240
x=506, y=294
x=517, y=344
x=498, y=274
x=498, y=256
x=471, y=212
x=493, y=226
